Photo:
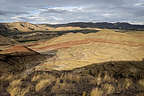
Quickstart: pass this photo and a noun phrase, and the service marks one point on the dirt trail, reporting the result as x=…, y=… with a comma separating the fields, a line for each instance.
x=85, y=41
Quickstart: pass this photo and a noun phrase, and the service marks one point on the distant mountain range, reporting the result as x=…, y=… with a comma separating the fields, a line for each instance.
x=25, y=26
x=118, y=25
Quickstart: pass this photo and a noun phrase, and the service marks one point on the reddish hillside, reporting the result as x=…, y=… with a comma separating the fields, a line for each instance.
x=18, y=50
x=86, y=41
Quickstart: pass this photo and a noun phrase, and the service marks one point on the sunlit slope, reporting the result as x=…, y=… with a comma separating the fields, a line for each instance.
x=76, y=50
x=105, y=34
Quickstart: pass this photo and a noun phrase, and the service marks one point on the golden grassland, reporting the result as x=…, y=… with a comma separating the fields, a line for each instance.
x=94, y=69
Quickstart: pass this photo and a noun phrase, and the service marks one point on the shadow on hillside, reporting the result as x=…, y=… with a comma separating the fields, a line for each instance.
x=19, y=62
x=116, y=78
x=34, y=35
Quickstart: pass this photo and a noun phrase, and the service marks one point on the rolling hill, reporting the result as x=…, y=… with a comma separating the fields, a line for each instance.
x=71, y=61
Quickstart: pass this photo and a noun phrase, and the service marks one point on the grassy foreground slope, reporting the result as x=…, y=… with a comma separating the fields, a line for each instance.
x=117, y=78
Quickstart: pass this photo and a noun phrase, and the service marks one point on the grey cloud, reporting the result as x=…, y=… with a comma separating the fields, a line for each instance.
x=60, y=11
x=54, y=11
x=11, y=13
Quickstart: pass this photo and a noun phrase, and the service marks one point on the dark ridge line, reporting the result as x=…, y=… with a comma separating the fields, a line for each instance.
x=97, y=64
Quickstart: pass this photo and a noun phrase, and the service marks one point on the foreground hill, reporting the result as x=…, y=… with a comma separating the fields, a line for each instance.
x=110, y=79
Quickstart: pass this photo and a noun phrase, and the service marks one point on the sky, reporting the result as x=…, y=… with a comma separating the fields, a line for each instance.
x=65, y=11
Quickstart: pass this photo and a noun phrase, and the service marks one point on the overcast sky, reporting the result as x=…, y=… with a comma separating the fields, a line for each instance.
x=65, y=11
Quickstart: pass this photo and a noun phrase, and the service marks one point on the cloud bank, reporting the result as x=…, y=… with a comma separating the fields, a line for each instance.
x=65, y=11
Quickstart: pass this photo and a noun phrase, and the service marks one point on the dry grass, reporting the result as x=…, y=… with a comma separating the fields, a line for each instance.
x=6, y=77
x=36, y=77
x=43, y=81
x=96, y=92
x=15, y=90
x=18, y=91
x=42, y=84
x=127, y=83
x=39, y=77
x=96, y=80
x=141, y=82
x=109, y=88
x=141, y=94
